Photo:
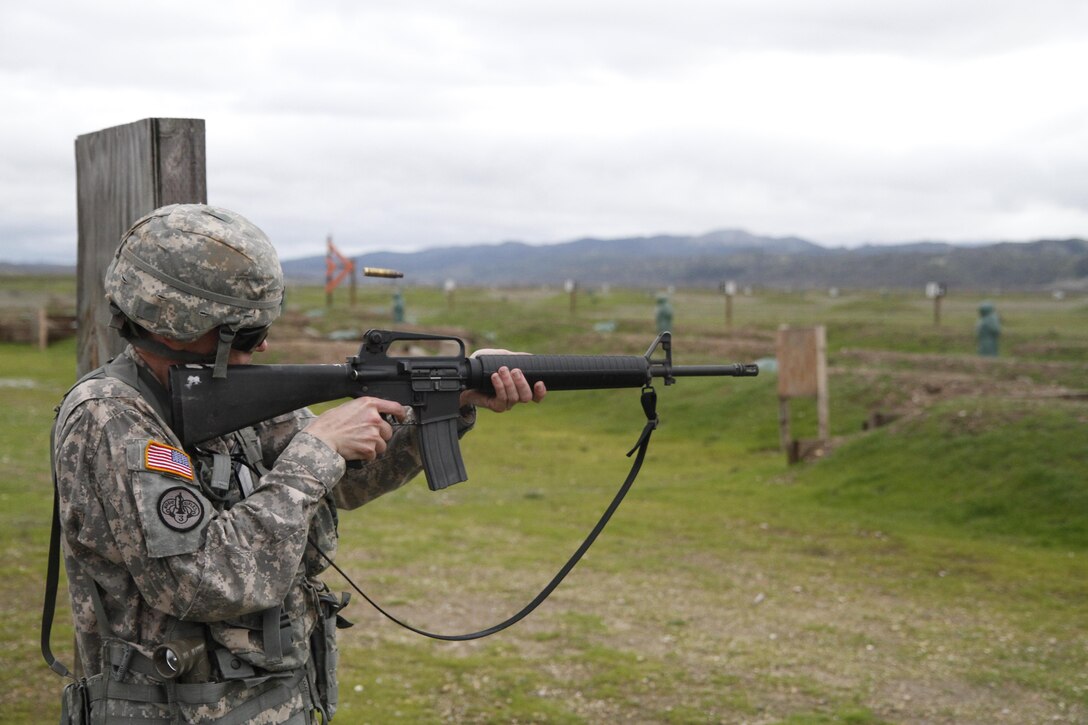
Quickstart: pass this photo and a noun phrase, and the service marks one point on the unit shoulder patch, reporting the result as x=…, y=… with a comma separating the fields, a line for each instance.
x=180, y=509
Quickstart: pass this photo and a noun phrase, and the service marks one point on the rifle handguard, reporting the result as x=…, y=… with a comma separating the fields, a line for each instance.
x=566, y=372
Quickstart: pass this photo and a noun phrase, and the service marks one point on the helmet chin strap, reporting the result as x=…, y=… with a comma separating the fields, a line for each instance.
x=222, y=352
x=163, y=350
x=138, y=337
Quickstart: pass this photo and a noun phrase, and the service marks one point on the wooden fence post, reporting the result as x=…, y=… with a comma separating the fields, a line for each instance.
x=43, y=328
x=802, y=373
x=123, y=173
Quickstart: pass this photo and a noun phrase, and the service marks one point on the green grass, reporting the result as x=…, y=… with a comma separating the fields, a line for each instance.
x=967, y=483
x=933, y=570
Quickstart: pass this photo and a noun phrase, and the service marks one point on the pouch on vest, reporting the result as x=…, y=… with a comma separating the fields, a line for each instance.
x=324, y=651
x=75, y=706
x=266, y=639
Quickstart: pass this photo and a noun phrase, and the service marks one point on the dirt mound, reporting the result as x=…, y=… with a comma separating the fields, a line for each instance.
x=908, y=383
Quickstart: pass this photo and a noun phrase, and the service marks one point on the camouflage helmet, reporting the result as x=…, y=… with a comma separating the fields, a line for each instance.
x=186, y=269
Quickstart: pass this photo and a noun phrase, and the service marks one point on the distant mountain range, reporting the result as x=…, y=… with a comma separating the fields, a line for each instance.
x=15, y=268
x=709, y=259
x=747, y=259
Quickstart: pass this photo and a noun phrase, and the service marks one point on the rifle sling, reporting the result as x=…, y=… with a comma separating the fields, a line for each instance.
x=52, y=577
x=135, y=376
x=649, y=406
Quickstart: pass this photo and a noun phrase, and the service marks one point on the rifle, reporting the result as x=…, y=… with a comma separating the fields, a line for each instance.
x=205, y=407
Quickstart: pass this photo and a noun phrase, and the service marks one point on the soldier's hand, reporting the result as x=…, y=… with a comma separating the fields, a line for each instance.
x=356, y=429
x=511, y=388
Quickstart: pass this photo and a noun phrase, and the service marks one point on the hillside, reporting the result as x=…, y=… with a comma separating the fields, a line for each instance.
x=710, y=259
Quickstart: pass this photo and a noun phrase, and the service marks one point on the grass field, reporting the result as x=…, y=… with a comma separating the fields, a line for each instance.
x=934, y=570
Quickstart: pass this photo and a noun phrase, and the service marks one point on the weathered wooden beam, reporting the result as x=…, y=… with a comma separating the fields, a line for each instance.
x=123, y=173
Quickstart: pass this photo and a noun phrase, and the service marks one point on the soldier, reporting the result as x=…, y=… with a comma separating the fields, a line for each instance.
x=193, y=572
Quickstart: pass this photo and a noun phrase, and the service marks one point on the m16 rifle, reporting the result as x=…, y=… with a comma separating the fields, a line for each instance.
x=205, y=407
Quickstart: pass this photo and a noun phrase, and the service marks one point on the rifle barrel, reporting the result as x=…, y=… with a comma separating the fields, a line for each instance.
x=592, y=372
x=736, y=370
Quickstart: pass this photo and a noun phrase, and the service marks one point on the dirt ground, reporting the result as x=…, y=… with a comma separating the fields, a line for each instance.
x=752, y=650
x=765, y=635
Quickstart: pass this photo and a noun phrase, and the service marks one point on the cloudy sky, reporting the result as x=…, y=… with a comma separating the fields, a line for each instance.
x=402, y=125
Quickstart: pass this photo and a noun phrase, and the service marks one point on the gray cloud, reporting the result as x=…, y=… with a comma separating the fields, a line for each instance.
x=402, y=126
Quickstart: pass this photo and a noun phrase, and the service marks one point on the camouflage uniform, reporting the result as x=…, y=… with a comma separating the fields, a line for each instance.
x=164, y=544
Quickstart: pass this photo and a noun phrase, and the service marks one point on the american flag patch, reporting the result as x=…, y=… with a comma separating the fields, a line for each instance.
x=161, y=457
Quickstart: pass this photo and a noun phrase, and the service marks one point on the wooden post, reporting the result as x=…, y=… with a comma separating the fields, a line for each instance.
x=330, y=271
x=337, y=267
x=729, y=289
x=802, y=373
x=785, y=438
x=936, y=292
x=450, y=287
x=43, y=328
x=123, y=173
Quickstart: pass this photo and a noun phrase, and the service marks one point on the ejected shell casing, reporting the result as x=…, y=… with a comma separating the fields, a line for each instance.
x=381, y=272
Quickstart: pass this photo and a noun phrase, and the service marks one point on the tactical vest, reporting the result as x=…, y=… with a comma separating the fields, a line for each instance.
x=194, y=669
